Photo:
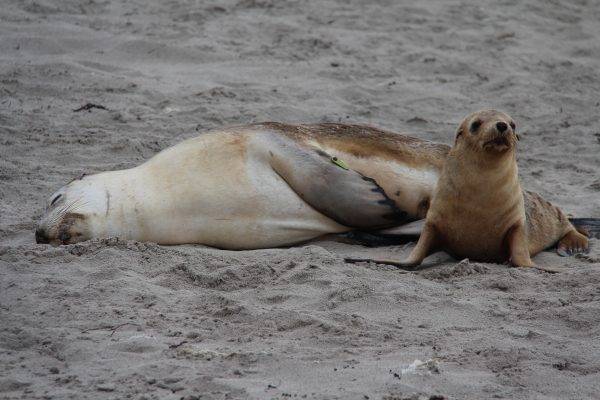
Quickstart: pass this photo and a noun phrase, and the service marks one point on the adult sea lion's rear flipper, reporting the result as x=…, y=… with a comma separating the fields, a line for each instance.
x=387, y=237
x=331, y=187
x=411, y=229
x=587, y=226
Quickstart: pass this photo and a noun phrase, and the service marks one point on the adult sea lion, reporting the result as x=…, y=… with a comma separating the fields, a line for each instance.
x=254, y=186
x=479, y=210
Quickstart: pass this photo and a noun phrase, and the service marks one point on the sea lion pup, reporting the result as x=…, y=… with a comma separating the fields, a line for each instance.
x=254, y=186
x=479, y=211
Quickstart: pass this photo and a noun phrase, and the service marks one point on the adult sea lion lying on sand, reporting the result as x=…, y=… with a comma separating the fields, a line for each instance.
x=479, y=210
x=254, y=186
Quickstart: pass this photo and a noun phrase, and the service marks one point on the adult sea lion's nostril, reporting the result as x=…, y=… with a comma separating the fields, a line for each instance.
x=41, y=237
x=64, y=237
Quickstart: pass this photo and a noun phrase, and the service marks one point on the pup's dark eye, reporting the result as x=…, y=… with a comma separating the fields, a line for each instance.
x=475, y=126
x=513, y=126
x=54, y=200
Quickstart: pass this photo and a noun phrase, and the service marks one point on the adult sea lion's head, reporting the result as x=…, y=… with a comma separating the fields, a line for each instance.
x=70, y=213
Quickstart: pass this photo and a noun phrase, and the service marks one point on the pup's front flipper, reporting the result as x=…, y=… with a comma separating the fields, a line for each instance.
x=550, y=270
x=518, y=247
x=427, y=244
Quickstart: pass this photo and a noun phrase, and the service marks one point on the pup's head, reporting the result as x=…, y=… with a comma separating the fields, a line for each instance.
x=488, y=131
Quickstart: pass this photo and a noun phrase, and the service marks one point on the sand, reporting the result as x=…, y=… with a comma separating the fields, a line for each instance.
x=107, y=319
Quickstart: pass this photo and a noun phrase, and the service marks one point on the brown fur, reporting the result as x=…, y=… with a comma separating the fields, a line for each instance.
x=367, y=141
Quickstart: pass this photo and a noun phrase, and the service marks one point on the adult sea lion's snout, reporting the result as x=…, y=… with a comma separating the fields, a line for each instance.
x=66, y=217
x=41, y=236
x=62, y=229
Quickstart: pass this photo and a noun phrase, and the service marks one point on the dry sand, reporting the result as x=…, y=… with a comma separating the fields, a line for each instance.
x=110, y=319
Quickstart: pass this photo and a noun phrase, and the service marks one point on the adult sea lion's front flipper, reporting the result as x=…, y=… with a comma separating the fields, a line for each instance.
x=331, y=187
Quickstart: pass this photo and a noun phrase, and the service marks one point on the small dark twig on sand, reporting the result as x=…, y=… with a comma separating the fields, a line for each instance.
x=89, y=106
x=174, y=346
x=112, y=328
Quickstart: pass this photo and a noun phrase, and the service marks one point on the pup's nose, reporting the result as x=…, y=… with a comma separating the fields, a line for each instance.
x=41, y=237
x=501, y=126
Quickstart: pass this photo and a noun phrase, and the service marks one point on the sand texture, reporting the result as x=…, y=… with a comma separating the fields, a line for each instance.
x=107, y=319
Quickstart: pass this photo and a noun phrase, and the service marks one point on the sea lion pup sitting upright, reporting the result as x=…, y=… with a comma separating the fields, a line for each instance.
x=253, y=186
x=479, y=211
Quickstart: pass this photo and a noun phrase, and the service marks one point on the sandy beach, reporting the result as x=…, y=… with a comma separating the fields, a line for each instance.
x=111, y=319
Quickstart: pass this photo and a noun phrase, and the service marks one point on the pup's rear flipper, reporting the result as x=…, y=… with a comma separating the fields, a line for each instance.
x=587, y=226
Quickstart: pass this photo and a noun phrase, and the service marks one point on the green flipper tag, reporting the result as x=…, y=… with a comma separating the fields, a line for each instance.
x=339, y=163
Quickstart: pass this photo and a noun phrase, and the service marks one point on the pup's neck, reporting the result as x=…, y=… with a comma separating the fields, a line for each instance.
x=482, y=171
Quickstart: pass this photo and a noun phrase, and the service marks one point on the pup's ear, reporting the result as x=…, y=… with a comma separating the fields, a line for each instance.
x=459, y=133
